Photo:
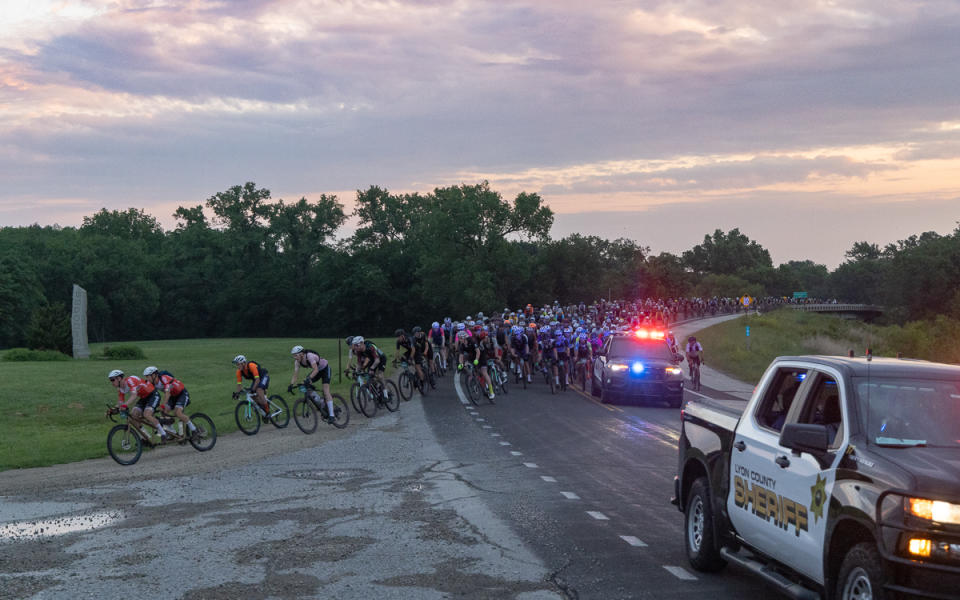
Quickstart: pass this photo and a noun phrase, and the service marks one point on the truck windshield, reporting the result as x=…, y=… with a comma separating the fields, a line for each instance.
x=906, y=412
x=630, y=347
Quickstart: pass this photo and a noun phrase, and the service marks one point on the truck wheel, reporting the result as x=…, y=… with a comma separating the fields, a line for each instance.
x=702, y=550
x=862, y=576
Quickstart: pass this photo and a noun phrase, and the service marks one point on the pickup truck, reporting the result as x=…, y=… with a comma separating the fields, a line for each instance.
x=840, y=479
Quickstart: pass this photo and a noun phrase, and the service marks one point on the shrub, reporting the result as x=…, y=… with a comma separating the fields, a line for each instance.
x=25, y=355
x=50, y=329
x=123, y=352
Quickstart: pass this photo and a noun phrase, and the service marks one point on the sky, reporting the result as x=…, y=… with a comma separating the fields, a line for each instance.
x=807, y=124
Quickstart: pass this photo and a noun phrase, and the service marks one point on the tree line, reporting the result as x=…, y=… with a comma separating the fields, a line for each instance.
x=260, y=267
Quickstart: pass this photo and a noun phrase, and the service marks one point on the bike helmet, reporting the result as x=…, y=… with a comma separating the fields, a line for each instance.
x=516, y=330
x=417, y=330
x=545, y=330
x=296, y=350
x=239, y=359
x=461, y=335
x=692, y=338
x=568, y=329
x=149, y=371
x=398, y=333
x=447, y=320
x=115, y=373
x=357, y=340
x=482, y=334
x=532, y=325
x=435, y=325
x=461, y=326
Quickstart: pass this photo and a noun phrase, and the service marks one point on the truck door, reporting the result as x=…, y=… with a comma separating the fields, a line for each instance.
x=781, y=498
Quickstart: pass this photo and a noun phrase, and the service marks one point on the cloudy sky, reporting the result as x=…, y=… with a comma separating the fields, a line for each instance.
x=807, y=124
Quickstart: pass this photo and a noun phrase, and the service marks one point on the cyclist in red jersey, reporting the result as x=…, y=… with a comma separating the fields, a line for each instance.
x=147, y=400
x=175, y=395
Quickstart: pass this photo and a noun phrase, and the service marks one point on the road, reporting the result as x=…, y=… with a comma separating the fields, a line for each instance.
x=536, y=496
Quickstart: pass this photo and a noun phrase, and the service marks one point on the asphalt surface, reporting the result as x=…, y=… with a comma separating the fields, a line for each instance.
x=536, y=496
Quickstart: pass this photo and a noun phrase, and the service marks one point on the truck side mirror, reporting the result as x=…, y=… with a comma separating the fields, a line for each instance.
x=806, y=437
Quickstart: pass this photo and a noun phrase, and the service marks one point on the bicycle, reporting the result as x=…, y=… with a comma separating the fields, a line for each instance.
x=695, y=374
x=306, y=407
x=438, y=363
x=548, y=378
x=476, y=386
x=408, y=380
x=580, y=373
x=248, y=412
x=367, y=393
x=125, y=441
x=498, y=376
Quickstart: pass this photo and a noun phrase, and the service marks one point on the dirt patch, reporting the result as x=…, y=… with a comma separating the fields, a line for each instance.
x=449, y=577
x=275, y=585
x=24, y=587
x=29, y=556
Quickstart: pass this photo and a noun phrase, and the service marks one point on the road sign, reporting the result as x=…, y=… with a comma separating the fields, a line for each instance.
x=746, y=300
x=799, y=295
x=748, y=331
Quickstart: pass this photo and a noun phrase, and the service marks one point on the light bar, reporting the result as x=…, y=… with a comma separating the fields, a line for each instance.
x=646, y=334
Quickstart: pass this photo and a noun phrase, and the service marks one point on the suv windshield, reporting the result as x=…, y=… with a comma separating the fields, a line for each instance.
x=631, y=347
x=908, y=412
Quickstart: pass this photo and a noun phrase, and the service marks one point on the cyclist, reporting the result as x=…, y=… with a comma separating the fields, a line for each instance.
x=584, y=351
x=485, y=353
x=319, y=370
x=147, y=401
x=259, y=381
x=438, y=340
x=371, y=358
x=175, y=395
x=694, y=354
x=673, y=345
x=520, y=351
x=561, y=345
x=422, y=352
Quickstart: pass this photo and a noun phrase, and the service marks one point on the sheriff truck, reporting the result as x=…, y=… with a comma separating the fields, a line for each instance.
x=839, y=480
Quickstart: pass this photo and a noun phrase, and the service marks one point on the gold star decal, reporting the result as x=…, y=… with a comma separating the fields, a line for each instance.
x=818, y=497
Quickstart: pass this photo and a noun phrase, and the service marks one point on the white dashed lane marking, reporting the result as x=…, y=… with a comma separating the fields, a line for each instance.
x=504, y=443
x=680, y=573
x=488, y=426
x=531, y=465
x=570, y=495
x=548, y=479
x=494, y=435
x=633, y=541
x=598, y=515
x=515, y=453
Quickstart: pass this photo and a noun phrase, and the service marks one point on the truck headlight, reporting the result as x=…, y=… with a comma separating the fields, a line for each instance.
x=617, y=367
x=674, y=371
x=934, y=510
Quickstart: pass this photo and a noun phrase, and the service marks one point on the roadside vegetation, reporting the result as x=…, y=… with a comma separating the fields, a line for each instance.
x=53, y=412
x=788, y=332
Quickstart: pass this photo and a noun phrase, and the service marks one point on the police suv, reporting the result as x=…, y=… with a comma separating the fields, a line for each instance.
x=840, y=479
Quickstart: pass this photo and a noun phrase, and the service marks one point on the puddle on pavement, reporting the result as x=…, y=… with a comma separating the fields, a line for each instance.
x=28, y=530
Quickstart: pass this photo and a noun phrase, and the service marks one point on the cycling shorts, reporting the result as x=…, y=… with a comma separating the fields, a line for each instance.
x=322, y=375
x=182, y=400
x=264, y=383
x=152, y=401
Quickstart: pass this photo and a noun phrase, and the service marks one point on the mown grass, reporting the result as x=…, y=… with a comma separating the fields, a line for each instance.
x=788, y=332
x=53, y=412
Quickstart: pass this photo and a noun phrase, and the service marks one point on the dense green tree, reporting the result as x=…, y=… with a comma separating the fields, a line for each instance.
x=729, y=253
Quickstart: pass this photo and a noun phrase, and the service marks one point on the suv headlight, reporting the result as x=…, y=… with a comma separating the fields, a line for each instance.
x=933, y=510
x=618, y=367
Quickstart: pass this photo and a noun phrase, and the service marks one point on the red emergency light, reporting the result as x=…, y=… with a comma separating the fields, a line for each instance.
x=647, y=334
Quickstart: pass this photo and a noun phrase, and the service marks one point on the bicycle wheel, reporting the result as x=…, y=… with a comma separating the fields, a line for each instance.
x=392, y=401
x=502, y=379
x=341, y=412
x=552, y=382
x=366, y=398
x=206, y=436
x=124, y=445
x=355, y=397
x=406, y=386
x=473, y=389
x=279, y=412
x=248, y=417
x=696, y=376
x=583, y=378
x=305, y=415
x=562, y=371
x=432, y=380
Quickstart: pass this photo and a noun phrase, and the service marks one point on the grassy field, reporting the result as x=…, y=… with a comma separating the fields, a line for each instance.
x=786, y=332
x=53, y=412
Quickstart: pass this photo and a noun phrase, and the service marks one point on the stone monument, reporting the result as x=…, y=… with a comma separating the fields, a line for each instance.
x=78, y=321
